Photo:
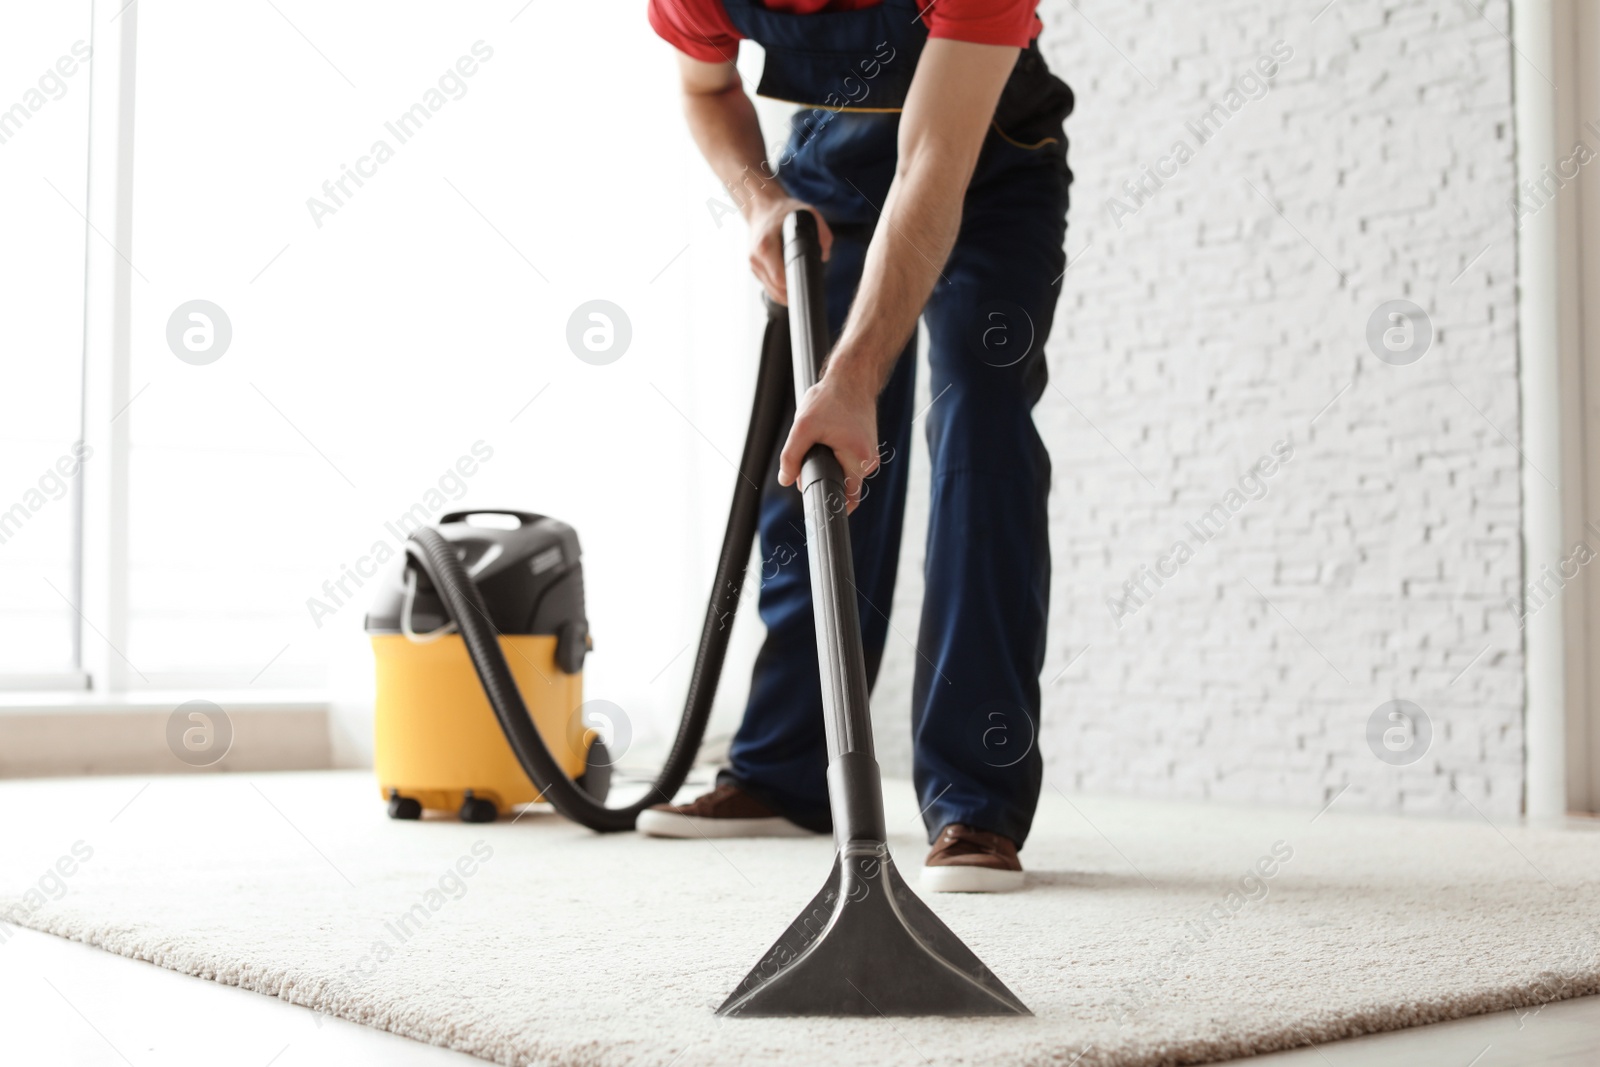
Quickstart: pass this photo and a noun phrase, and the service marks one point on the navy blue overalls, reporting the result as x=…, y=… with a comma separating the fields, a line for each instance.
x=981, y=646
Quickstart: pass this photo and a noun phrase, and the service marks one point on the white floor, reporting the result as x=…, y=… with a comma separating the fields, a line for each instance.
x=1565, y=1034
x=68, y=1003
x=72, y=1004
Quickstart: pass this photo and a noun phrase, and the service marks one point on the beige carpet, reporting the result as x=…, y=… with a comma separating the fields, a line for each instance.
x=1141, y=939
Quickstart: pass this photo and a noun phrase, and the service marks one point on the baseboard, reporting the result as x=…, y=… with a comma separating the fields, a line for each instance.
x=56, y=737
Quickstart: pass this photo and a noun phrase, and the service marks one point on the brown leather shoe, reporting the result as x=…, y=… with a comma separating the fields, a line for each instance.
x=965, y=859
x=726, y=811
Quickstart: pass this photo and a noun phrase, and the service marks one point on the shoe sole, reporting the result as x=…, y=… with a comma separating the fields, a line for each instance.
x=691, y=827
x=963, y=879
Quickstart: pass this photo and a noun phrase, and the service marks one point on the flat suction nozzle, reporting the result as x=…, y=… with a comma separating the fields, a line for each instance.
x=866, y=945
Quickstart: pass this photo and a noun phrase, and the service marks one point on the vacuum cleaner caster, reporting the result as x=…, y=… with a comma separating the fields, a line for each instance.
x=403, y=807
x=596, y=777
x=476, y=809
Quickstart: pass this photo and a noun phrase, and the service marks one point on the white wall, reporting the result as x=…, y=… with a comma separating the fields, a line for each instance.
x=1212, y=323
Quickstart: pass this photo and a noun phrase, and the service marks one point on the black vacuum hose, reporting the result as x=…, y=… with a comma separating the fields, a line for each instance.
x=437, y=558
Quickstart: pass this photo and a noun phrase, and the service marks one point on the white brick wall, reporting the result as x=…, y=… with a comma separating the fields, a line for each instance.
x=1209, y=326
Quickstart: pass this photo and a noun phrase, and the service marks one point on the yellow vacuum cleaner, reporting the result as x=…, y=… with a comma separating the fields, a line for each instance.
x=438, y=745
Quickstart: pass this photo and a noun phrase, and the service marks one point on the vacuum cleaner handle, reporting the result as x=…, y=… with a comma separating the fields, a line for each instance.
x=809, y=336
x=854, y=789
x=526, y=518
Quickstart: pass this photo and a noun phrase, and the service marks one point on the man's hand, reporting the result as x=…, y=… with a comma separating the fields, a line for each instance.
x=765, y=216
x=841, y=412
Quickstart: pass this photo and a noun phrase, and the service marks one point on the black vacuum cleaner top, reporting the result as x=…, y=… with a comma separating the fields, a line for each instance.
x=531, y=577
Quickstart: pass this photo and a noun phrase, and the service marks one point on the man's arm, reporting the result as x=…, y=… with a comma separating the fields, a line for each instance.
x=723, y=120
x=947, y=114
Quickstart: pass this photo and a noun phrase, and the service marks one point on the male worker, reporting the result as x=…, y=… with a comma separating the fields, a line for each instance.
x=930, y=146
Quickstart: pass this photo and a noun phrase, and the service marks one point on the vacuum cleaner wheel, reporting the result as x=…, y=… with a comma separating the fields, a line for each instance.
x=477, y=809
x=403, y=807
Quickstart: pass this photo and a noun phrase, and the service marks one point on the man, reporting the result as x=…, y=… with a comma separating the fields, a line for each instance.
x=930, y=146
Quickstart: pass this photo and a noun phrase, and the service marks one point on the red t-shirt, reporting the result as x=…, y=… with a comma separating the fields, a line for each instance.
x=702, y=30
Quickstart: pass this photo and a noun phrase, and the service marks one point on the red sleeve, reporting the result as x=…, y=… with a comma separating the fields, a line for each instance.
x=700, y=29
x=1007, y=22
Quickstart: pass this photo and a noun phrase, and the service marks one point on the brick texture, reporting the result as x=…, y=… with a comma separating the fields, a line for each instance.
x=1227, y=310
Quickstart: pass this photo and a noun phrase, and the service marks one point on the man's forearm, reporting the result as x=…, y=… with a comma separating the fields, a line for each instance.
x=942, y=129
x=921, y=217
x=724, y=124
x=725, y=127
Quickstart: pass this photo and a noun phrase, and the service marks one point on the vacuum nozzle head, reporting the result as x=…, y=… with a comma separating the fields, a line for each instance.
x=866, y=945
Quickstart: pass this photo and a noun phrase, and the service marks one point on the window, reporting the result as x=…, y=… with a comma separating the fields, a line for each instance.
x=44, y=122
x=385, y=313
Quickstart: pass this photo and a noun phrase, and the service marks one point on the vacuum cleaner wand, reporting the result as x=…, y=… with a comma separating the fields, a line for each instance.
x=865, y=945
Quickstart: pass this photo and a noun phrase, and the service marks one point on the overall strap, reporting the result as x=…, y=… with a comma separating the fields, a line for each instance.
x=861, y=60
